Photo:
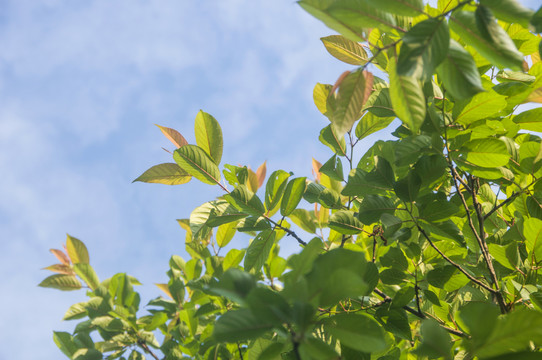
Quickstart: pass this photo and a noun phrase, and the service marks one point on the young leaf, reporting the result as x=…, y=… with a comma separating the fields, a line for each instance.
x=168, y=174
x=209, y=136
x=345, y=50
x=87, y=274
x=459, y=73
x=350, y=100
x=60, y=256
x=195, y=161
x=424, y=48
x=225, y=233
x=77, y=251
x=322, y=100
x=173, y=135
x=292, y=195
x=260, y=174
x=407, y=99
x=61, y=282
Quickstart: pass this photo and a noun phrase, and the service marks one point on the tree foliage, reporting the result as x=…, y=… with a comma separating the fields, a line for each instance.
x=428, y=247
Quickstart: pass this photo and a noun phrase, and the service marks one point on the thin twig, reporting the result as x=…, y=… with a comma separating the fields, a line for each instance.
x=453, y=263
x=509, y=199
x=288, y=231
x=147, y=349
x=423, y=315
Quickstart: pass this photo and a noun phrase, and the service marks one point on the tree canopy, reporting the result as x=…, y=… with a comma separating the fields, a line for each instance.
x=429, y=247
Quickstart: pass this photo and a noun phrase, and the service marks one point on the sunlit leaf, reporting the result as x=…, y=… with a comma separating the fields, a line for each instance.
x=77, y=251
x=209, y=136
x=345, y=50
x=196, y=162
x=173, y=135
x=167, y=173
x=292, y=195
x=61, y=282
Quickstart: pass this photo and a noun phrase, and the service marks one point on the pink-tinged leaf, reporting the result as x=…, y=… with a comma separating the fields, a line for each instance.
x=262, y=170
x=59, y=254
x=252, y=183
x=316, y=165
x=369, y=79
x=339, y=81
x=174, y=136
x=61, y=269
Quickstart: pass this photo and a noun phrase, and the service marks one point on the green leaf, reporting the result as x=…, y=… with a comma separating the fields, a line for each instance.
x=394, y=258
x=510, y=11
x=333, y=168
x=358, y=16
x=350, y=101
x=336, y=143
x=479, y=319
x=512, y=332
x=87, y=274
x=532, y=228
x=225, y=233
x=436, y=342
x=196, y=162
x=407, y=189
x=379, y=103
x=322, y=100
x=459, y=73
x=292, y=195
x=245, y=200
x=530, y=120
x=258, y=250
x=536, y=20
x=209, y=136
x=447, y=278
x=239, y=325
x=344, y=222
x=304, y=219
x=345, y=50
x=499, y=49
x=315, y=349
x=339, y=274
x=481, y=106
x=395, y=320
x=424, y=47
x=357, y=331
x=200, y=216
x=77, y=251
x=65, y=343
x=370, y=123
x=269, y=306
x=274, y=189
x=486, y=152
x=373, y=206
x=168, y=174
x=233, y=258
x=407, y=99
x=61, y=282
x=76, y=311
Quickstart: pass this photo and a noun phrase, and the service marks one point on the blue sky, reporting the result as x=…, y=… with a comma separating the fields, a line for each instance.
x=81, y=85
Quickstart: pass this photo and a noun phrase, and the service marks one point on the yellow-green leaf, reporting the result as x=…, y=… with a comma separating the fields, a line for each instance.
x=345, y=50
x=167, y=173
x=209, y=135
x=196, y=162
x=77, y=251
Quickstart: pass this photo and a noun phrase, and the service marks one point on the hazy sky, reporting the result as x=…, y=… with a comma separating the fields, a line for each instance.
x=81, y=85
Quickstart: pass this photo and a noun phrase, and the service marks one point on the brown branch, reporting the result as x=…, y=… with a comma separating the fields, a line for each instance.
x=147, y=349
x=423, y=315
x=453, y=263
x=288, y=231
x=509, y=199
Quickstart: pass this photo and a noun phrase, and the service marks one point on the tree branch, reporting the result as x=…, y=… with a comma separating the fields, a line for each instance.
x=509, y=199
x=288, y=231
x=423, y=315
